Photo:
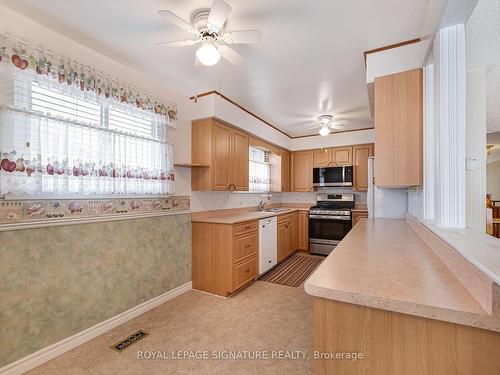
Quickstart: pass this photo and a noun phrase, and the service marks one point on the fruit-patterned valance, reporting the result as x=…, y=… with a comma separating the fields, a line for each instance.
x=65, y=71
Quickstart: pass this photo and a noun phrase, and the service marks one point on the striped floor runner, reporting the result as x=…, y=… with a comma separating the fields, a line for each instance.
x=293, y=271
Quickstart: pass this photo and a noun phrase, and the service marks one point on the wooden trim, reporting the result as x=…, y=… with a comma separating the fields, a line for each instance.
x=240, y=107
x=333, y=133
x=391, y=46
x=215, y=92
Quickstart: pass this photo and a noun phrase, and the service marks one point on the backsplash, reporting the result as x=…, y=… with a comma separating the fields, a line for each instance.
x=359, y=197
x=221, y=200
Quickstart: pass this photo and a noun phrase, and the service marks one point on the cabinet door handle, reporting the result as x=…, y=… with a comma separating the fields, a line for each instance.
x=247, y=246
x=247, y=270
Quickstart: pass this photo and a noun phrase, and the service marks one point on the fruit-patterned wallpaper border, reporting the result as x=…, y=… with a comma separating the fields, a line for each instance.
x=12, y=211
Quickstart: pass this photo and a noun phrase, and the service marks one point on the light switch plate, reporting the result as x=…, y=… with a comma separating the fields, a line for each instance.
x=471, y=163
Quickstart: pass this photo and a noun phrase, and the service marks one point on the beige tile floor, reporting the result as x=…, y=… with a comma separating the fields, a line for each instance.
x=263, y=317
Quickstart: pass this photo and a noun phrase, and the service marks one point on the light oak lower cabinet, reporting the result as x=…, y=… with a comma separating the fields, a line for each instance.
x=287, y=235
x=303, y=237
x=224, y=256
x=301, y=171
x=395, y=344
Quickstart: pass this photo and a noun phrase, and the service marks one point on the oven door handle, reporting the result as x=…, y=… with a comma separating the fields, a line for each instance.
x=330, y=217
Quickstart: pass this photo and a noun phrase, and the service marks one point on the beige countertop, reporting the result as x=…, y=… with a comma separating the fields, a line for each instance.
x=360, y=207
x=239, y=216
x=384, y=264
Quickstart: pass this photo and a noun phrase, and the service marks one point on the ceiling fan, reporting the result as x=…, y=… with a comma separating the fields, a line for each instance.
x=327, y=124
x=208, y=25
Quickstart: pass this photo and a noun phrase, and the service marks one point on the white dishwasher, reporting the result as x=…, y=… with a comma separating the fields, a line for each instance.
x=268, y=244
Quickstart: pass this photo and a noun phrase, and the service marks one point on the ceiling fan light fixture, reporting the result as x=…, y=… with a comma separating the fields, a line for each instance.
x=324, y=130
x=208, y=53
x=325, y=119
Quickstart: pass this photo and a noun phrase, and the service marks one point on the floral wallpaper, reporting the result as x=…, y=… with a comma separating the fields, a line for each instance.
x=58, y=209
x=58, y=281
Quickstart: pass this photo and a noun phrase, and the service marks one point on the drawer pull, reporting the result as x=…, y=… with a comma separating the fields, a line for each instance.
x=247, y=270
x=247, y=226
x=247, y=246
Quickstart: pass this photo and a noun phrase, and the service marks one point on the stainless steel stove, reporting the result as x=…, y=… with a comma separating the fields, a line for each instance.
x=329, y=221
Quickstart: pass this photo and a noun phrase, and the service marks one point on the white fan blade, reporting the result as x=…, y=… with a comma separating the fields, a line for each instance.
x=218, y=14
x=337, y=125
x=243, y=36
x=176, y=20
x=230, y=55
x=179, y=43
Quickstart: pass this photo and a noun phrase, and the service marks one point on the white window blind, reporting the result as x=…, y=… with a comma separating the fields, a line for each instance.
x=259, y=170
x=54, y=140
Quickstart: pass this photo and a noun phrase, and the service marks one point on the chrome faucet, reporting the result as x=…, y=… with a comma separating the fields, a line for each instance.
x=261, y=206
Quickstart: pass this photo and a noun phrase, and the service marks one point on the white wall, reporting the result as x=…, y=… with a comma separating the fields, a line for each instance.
x=493, y=179
x=475, y=146
x=39, y=35
x=334, y=139
x=213, y=105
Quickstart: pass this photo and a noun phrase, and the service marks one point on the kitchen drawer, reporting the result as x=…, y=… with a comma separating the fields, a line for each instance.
x=248, y=226
x=244, y=272
x=245, y=245
x=286, y=217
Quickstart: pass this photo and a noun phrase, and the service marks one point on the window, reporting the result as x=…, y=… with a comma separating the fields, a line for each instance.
x=259, y=170
x=55, y=139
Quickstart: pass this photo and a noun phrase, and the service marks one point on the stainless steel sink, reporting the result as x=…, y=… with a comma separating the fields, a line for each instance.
x=276, y=209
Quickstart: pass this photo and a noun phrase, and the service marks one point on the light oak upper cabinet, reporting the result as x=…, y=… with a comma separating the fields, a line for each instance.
x=285, y=170
x=360, y=157
x=331, y=157
x=224, y=151
x=239, y=160
x=342, y=155
x=398, y=129
x=221, y=156
x=301, y=171
x=322, y=157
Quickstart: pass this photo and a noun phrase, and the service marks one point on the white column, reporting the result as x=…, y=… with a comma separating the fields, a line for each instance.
x=429, y=188
x=475, y=148
x=449, y=79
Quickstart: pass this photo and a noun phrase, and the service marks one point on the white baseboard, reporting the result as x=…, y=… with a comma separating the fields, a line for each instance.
x=50, y=352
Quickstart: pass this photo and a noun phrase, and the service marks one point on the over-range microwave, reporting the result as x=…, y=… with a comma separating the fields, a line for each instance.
x=333, y=176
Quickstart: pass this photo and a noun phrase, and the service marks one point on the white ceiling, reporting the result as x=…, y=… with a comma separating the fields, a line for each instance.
x=309, y=62
x=483, y=51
